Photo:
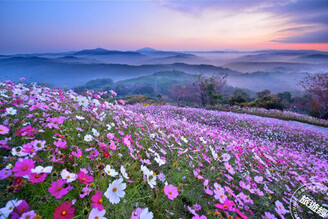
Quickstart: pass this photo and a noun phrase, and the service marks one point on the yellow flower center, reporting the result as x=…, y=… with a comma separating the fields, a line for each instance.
x=59, y=188
x=68, y=177
x=114, y=189
x=83, y=179
x=63, y=213
x=108, y=171
x=24, y=168
x=37, y=176
x=100, y=200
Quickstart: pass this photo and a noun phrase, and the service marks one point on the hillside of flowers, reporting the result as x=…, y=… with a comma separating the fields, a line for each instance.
x=279, y=114
x=69, y=156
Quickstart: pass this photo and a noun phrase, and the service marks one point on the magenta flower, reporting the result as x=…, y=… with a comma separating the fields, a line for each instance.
x=59, y=188
x=24, y=167
x=97, y=201
x=227, y=205
x=85, y=178
x=37, y=177
x=20, y=209
x=171, y=191
x=4, y=130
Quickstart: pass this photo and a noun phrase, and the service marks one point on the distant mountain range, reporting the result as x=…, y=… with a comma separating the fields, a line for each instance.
x=75, y=68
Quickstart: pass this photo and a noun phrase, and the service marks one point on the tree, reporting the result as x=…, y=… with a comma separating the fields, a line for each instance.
x=263, y=93
x=209, y=88
x=317, y=86
x=239, y=96
x=187, y=93
x=145, y=90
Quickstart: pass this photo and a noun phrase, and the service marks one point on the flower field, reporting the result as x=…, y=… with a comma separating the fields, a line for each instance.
x=69, y=156
x=279, y=114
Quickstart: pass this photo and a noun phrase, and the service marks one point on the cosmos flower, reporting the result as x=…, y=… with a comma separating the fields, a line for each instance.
x=59, y=188
x=85, y=191
x=115, y=191
x=10, y=206
x=229, y=168
x=23, y=168
x=226, y=157
x=37, y=177
x=84, y=178
x=88, y=138
x=4, y=173
x=11, y=111
x=227, y=205
x=171, y=191
x=140, y=213
x=124, y=173
x=69, y=177
x=258, y=179
x=28, y=215
x=41, y=169
x=97, y=201
x=96, y=214
x=64, y=211
x=110, y=171
x=4, y=130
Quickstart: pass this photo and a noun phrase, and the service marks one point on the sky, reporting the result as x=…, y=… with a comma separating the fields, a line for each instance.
x=58, y=26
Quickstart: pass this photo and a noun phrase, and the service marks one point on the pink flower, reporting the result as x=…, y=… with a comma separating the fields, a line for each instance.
x=97, y=201
x=61, y=144
x=77, y=154
x=112, y=145
x=24, y=167
x=59, y=188
x=85, y=191
x=229, y=168
x=5, y=173
x=121, y=101
x=85, y=178
x=171, y=191
x=37, y=177
x=227, y=205
x=4, y=130
x=258, y=179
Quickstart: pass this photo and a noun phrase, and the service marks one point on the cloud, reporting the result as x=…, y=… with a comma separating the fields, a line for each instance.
x=296, y=29
x=310, y=37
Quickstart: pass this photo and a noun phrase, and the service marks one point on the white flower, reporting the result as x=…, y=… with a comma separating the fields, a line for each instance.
x=109, y=171
x=151, y=179
x=97, y=214
x=109, y=127
x=11, y=111
x=80, y=117
x=70, y=177
x=145, y=170
x=83, y=101
x=41, y=169
x=95, y=132
x=88, y=138
x=123, y=172
x=159, y=161
x=18, y=152
x=115, y=191
x=146, y=214
x=5, y=211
